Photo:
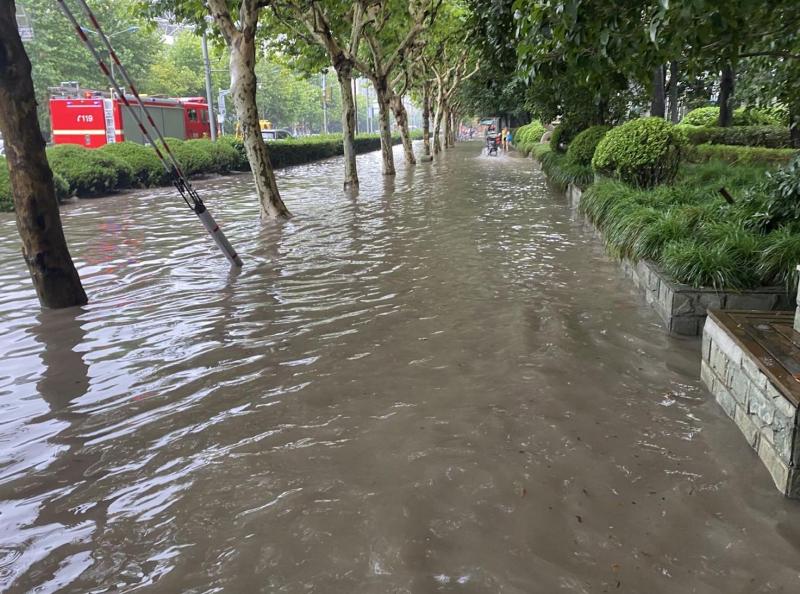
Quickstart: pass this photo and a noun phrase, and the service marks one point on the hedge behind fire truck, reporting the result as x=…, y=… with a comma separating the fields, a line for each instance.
x=93, y=118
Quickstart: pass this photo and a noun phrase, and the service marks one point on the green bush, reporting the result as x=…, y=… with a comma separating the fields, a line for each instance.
x=7, y=198
x=766, y=136
x=738, y=154
x=224, y=157
x=527, y=136
x=742, y=116
x=147, y=170
x=702, y=116
x=563, y=135
x=88, y=172
x=192, y=159
x=241, y=163
x=643, y=152
x=776, y=201
x=760, y=116
x=581, y=149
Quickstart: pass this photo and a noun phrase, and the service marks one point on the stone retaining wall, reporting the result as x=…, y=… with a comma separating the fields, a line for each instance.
x=768, y=420
x=681, y=307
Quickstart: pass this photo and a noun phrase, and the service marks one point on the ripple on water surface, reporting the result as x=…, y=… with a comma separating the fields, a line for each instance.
x=440, y=384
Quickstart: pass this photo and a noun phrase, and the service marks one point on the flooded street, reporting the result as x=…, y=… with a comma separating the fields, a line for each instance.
x=440, y=385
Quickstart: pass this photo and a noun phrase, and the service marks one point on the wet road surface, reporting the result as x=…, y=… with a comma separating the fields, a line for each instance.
x=440, y=385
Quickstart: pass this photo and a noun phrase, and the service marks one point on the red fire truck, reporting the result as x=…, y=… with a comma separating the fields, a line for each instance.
x=94, y=118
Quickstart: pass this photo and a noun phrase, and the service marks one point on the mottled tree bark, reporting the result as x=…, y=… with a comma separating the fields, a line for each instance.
x=726, y=88
x=426, y=118
x=44, y=247
x=381, y=85
x=401, y=118
x=448, y=128
x=241, y=42
x=344, y=73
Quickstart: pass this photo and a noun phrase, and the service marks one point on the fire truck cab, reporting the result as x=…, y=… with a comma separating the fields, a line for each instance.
x=94, y=118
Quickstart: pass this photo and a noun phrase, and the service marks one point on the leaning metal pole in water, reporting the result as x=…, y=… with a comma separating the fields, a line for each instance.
x=187, y=192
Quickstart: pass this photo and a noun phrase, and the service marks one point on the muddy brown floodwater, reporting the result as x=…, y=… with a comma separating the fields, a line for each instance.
x=441, y=385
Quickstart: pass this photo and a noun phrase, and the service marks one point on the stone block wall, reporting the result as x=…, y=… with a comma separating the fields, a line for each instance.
x=767, y=419
x=683, y=308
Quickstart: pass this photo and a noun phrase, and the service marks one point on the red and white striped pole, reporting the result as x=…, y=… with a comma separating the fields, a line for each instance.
x=173, y=168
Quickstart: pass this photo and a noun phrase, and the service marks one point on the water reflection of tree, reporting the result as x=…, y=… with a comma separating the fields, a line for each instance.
x=57, y=516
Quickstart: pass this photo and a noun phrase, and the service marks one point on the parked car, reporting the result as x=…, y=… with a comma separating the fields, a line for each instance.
x=276, y=134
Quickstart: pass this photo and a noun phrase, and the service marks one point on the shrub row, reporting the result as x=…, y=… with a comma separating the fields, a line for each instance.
x=527, y=136
x=743, y=116
x=738, y=154
x=91, y=172
x=6, y=198
x=766, y=136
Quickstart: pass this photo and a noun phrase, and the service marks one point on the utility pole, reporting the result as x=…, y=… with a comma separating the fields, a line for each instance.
x=324, y=105
x=369, y=110
x=355, y=102
x=212, y=121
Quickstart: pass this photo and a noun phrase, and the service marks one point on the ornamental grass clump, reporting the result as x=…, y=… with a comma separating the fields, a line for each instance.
x=779, y=257
x=643, y=152
x=699, y=264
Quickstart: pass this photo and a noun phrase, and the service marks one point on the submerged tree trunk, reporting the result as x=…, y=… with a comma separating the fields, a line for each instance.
x=448, y=123
x=726, y=88
x=242, y=45
x=382, y=94
x=344, y=74
x=426, y=118
x=657, y=103
x=401, y=118
x=673, y=92
x=44, y=246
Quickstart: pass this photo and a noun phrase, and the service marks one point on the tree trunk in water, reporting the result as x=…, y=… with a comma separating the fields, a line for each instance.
x=44, y=246
x=426, y=118
x=401, y=117
x=243, y=84
x=657, y=107
x=448, y=123
x=726, y=88
x=382, y=93
x=344, y=74
x=673, y=91
x=437, y=129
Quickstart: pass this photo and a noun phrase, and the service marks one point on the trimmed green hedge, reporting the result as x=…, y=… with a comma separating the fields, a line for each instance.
x=89, y=172
x=738, y=154
x=6, y=198
x=766, y=136
x=644, y=152
x=581, y=149
x=147, y=170
x=527, y=136
x=742, y=116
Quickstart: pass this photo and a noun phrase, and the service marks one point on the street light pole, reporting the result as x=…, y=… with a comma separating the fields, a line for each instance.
x=212, y=121
x=324, y=104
